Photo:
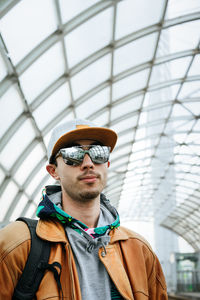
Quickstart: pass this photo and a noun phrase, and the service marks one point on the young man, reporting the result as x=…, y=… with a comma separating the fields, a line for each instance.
x=99, y=259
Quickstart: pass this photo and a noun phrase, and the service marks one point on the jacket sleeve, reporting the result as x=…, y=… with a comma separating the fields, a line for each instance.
x=14, y=249
x=6, y=282
x=157, y=284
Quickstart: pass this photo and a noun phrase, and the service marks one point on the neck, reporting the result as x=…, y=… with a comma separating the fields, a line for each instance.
x=86, y=212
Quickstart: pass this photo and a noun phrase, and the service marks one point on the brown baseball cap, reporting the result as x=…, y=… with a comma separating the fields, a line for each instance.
x=79, y=129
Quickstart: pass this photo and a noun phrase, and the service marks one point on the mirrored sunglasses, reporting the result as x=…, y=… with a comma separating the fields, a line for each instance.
x=73, y=156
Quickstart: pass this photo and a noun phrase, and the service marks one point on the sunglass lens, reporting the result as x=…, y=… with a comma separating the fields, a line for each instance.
x=74, y=156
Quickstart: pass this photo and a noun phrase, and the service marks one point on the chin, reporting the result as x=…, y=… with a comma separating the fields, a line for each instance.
x=89, y=195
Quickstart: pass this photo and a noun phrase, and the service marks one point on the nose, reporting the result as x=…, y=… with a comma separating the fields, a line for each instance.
x=87, y=163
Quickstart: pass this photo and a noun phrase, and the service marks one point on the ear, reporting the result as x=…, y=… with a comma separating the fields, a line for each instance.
x=108, y=164
x=51, y=169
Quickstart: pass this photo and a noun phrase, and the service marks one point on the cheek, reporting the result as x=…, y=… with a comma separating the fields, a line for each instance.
x=103, y=171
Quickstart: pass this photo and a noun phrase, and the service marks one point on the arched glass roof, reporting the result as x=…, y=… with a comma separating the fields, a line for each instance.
x=132, y=65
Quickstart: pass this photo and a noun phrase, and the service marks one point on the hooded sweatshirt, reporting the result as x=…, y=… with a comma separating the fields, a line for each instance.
x=85, y=242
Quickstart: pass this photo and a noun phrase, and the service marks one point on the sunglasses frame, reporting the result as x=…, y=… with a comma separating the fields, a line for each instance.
x=75, y=162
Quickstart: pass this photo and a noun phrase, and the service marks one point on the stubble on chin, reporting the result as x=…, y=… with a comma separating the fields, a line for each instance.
x=88, y=196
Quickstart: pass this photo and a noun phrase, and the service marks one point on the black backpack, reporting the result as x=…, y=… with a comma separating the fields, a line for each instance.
x=36, y=265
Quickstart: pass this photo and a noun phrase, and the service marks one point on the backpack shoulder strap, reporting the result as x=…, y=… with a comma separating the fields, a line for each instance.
x=33, y=273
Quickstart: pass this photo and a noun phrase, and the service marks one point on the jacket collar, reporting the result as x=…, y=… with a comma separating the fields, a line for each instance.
x=53, y=231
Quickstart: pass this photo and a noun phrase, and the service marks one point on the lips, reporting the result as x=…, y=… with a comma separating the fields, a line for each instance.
x=89, y=178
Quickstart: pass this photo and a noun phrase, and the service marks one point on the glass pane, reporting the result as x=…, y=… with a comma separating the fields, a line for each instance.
x=55, y=104
x=19, y=208
x=70, y=9
x=125, y=138
x=29, y=164
x=120, y=162
x=162, y=95
x=30, y=213
x=137, y=15
x=36, y=181
x=102, y=120
x=190, y=89
x=194, y=107
x=180, y=37
x=24, y=26
x=130, y=84
x=3, y=70
x=125, y=107
x=17, y=144
x=91, y=76
x=7, y=197
x=11, y=108
x=85, y=37
x=2, y=176
x=125, y=124
x=195, y=68
x=118, y=154
x=43, y=72
x=178, y=8
x=171, y=70
x=134, y=53
x=92, y=105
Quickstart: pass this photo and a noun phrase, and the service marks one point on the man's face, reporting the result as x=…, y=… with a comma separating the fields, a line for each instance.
x=84, y=182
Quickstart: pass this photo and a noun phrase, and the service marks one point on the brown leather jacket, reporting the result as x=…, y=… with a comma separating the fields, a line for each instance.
x=129, y=260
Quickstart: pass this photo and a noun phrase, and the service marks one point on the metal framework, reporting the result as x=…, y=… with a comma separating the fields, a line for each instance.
x=155, y=113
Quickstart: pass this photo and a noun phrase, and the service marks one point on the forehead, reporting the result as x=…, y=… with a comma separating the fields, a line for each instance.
x=86, y=142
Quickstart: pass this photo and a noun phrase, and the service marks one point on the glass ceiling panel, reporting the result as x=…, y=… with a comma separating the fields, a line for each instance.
x=165, y=94
x=29, y=27
x=130, y=84
x=194, y=107
x=43, y=72
x=36, y=181
x=135, y=53
x=91, y=76
x=2, y=176
x=30, y=212
x=93, y=104
x=125, y=124
x=29, y=164
x=14, y=148
x=122, y=162
x=85, y=38
x=195, y=68
x=19, y=208
x=189, y=89
x=3, y=70
x=125, y=151
x=10, y=99
x=54, y=104
x=7, y=197
x=171, y=70
x=103, y=119
x=181, y=37
x=137, y=15
x=126, y=106
x=125, y=138
x=178, y=8
x=73, y=8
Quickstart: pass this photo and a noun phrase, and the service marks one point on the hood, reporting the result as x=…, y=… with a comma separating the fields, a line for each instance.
x=51, y=207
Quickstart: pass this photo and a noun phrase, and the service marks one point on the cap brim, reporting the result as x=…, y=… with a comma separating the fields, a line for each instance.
x=103, y=135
